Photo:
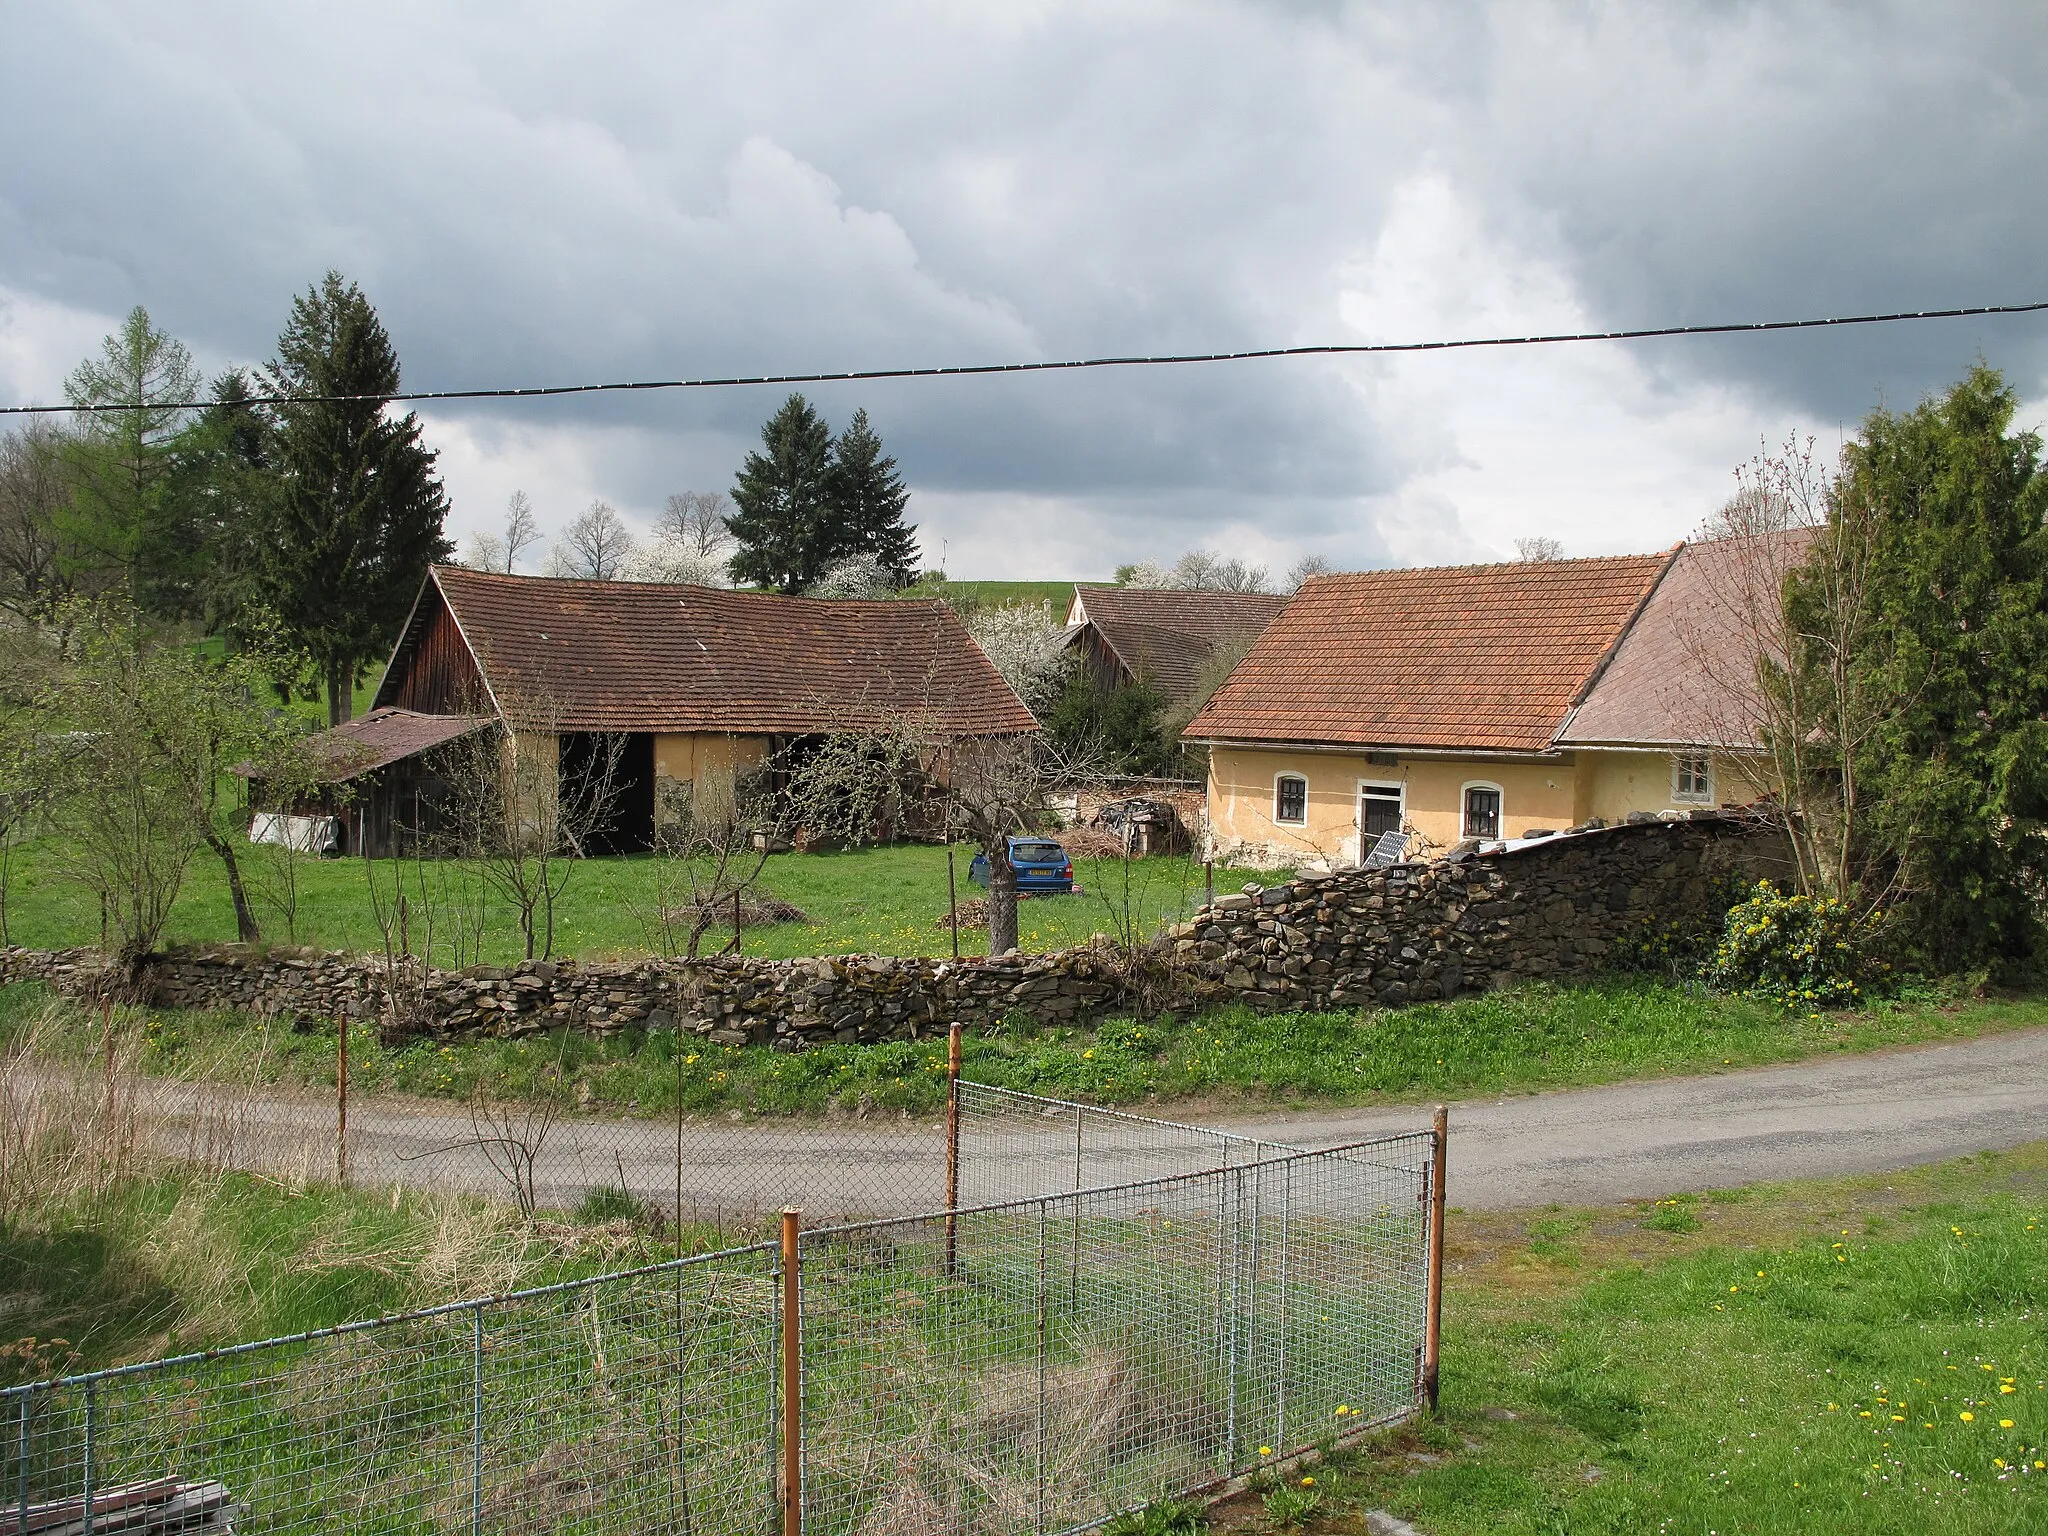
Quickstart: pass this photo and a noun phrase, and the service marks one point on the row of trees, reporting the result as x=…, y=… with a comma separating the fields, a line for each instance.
x=1891, y=611
x=294, y=504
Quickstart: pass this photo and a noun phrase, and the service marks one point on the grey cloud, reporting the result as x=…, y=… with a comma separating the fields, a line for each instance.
x=543, y=193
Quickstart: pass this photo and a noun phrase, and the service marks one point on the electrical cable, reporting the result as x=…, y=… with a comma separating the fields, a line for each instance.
x=976, y=370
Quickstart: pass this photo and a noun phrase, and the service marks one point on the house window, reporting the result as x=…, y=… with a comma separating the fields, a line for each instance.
x=1290, y=800
x=1482, y=810
x=1379, y=810
x=1692, y=778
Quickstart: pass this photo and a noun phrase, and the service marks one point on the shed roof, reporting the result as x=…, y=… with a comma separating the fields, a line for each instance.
x=645, y=656
x=1459, y=658
x=380, y=738
x=1169, y=634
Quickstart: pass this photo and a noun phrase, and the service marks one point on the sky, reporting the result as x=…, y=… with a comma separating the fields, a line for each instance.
x=544, y=193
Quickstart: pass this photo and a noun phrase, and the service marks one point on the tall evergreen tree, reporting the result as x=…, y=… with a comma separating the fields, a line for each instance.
x=784, y=518
x=223, y=483
x=869, y=498
x=122, y=519
x=358, y=513
x=1957, y=774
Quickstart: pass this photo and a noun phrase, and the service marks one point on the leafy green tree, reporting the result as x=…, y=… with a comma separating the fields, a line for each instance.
x=869, y=499
x=121, y=522
x=783, y=525
x=1956, y=770
x=358, y=513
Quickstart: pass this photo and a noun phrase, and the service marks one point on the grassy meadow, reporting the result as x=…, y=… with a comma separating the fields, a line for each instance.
x=885, y=901
x=1842, y=1356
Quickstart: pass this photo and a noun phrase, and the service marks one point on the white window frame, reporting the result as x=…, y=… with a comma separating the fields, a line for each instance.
x=1500, y=816
x=1278, y=819
x=1704, y=795
x=1401, y=792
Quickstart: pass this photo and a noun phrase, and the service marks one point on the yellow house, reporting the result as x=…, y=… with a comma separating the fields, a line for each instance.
x=1484, y=702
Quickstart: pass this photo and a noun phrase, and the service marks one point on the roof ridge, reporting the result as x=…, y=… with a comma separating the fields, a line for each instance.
x=1490, y=565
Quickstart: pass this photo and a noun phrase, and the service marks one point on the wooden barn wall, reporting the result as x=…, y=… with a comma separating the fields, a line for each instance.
x=439, y=675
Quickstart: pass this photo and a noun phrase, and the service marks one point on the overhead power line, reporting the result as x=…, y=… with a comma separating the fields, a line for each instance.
x=1069, y=365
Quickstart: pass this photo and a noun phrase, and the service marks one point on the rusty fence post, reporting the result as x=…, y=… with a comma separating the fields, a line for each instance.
x=341, y=1101
x=1433, y=1326
x=792, y=1375
x=953, y=1032
x=739, y=943
x=1209, y=881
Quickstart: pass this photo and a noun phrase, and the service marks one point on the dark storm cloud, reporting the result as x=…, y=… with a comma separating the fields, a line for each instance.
x=548, y=193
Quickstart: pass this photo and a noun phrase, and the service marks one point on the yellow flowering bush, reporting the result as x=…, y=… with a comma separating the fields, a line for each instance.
x=1801, y=952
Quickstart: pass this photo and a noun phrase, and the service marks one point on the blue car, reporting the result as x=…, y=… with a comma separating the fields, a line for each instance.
x=1042, y=865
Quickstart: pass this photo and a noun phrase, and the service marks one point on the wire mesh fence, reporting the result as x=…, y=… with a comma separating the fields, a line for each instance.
x=632, y=1402
x=1041, y=1365
x=1034, y=1363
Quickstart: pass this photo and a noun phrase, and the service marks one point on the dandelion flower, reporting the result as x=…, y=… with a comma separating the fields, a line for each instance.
x=1308, y=1482
x=1265, y=1450
x=1967, y=1417
x=2005, y=1423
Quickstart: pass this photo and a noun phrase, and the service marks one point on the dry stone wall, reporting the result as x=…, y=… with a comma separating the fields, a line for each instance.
x=1351, y=938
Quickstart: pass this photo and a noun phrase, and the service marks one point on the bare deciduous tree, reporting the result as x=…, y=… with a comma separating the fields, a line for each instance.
x=1538, y=548
x=1774, y=684
x=1305, y=567
x=696, y=520
x=35, y=488
x=596, y=545
x=501, y=551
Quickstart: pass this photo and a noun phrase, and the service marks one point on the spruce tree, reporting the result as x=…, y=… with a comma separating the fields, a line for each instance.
x=783, y=524
x=358, y=514
x=869, y=498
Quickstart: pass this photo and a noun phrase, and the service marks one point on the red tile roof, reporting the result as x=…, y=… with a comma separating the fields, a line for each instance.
x=640, y=656
x=1684, y=675
x=1473, y=657
x=1168, y=634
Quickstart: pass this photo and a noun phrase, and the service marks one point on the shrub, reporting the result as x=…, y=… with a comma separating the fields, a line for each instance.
x=1800, y=952
x=1681, y=949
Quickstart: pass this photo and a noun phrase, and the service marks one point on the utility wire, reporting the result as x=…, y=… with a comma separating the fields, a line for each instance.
x=973, y=370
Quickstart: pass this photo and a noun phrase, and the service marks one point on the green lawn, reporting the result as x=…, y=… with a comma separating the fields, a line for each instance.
x=1845, y=1356
x=996, y=594
x=1520, y=1040
x=889, y=901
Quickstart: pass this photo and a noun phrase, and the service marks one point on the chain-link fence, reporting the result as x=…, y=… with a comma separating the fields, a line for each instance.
x=1031, y=1366
x=645, y=1401
x=1040, y=1365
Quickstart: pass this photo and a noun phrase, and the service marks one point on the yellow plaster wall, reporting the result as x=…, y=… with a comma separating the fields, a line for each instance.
x=1541, y=793
x=1618, y=782
x=709, y=762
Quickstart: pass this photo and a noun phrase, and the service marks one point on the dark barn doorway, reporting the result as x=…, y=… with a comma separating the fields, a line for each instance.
x=612, y=774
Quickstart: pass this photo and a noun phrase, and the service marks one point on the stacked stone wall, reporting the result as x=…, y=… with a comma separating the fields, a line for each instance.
x=1404, y=934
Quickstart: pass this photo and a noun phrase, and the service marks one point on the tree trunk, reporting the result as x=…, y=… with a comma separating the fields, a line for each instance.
x=246, y=926
x=341, y=693
x=1002, y=899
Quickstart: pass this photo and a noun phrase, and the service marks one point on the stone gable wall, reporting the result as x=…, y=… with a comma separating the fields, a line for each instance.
x=1347, y=939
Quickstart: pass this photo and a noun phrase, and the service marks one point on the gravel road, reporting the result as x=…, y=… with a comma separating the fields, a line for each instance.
x=1831, y=1115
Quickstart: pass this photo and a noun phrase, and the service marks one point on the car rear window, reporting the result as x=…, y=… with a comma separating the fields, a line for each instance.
x=1037, y=853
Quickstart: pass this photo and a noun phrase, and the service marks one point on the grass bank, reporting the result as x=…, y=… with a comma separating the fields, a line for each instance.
x=1521, y=1040
x=1842, y=1356
x=885, y=901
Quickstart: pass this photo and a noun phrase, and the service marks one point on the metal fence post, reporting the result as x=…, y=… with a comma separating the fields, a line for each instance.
x=91, y=1414
x=952, y=1144
x=1041, y=1520
x=792, y=1376
x=476, y=1421
x=1433, y=1325
x=1286, y=1258
x=1233, y=1205
x=21, y=1470
x=341, y=1102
